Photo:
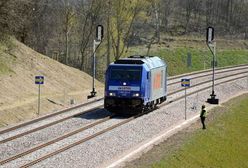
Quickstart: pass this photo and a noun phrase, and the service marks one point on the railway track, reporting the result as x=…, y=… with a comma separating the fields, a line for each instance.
x=100, y=106
x=209, y=70
x=80, y=141
x=218, y=71
x=48, y=125
x=222, y=70
x=107, y=119
x=55, y=140
x=115, y=126
x=207, y=81
x=18, y=126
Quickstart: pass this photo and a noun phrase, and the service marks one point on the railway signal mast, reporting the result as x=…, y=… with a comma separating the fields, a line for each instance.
x=96, y=44
x=212, y=47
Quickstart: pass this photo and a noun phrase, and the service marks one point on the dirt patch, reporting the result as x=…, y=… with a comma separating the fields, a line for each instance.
x=175, y=142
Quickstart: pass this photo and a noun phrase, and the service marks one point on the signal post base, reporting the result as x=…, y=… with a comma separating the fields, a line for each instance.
x=92, y=94
x=213, y=100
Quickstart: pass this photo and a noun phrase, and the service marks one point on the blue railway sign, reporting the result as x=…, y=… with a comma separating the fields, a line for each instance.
x=185, y=82
x=39, y=80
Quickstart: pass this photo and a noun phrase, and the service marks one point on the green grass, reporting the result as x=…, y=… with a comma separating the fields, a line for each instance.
x=174, y=50
x=5, y=58
x=4, y=69
x=223, y=144
x=201, y=58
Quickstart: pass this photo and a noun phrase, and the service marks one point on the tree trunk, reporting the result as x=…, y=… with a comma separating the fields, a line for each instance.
x=157, y=22
x=66, y=47
x=108, y=35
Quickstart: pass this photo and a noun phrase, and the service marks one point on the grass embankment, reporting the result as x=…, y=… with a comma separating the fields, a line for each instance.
x=5, y=45
x=177, y=59
x=175, y=50
x=19, y=65
x=223, y=144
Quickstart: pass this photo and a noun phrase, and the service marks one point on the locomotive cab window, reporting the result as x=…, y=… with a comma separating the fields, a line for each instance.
x=125, y=74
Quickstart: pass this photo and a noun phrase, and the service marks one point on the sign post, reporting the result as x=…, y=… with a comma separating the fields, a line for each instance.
x=211, y=43
x=96, y=43
x=185, y=83
x=39, y=80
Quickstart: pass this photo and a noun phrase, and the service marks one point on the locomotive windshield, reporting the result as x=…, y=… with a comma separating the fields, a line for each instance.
x=125, y=73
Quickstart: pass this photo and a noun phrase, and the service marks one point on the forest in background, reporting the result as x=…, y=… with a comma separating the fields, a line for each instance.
x=65, y=29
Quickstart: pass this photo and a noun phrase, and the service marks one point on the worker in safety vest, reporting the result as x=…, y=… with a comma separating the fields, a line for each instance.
x=203, y=116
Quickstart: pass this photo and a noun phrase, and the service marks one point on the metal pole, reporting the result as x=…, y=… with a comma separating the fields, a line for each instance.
x=39, y=101
x=213, y=68
x=94, y=67
x=185, y=111
x=96, y=44
x=212, y=48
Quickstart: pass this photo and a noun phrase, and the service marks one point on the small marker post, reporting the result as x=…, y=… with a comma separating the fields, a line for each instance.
x=185, y=83
x=39, y=80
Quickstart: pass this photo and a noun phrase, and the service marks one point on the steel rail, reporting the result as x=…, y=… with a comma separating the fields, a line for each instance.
x=54, y=140
x=49, y=124
x=79, y=142
x=202, y=89
x=47, y=116
x=196, y=77
x=205, y=71
x=204, y=82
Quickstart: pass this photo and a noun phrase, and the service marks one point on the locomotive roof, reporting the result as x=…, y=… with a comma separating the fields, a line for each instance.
x=150, y=61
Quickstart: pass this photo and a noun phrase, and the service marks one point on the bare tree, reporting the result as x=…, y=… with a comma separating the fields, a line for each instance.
x=157, y=20
x=123, y=16
x=14, y=17
x=69, y=22
x=89, y=15
x=166, y=9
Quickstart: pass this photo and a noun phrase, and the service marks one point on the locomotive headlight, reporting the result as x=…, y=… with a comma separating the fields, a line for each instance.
x=136, y=95
x=112, y=94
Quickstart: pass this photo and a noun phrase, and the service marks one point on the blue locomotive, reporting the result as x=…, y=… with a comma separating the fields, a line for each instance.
x=135, y=84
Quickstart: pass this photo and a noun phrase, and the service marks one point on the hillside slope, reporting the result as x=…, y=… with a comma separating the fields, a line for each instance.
x=18, y=99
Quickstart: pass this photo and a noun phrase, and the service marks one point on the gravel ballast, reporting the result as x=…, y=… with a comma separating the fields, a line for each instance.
x=113, y=145
x=48, y=120
x=23, y=143
x=105, y=149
